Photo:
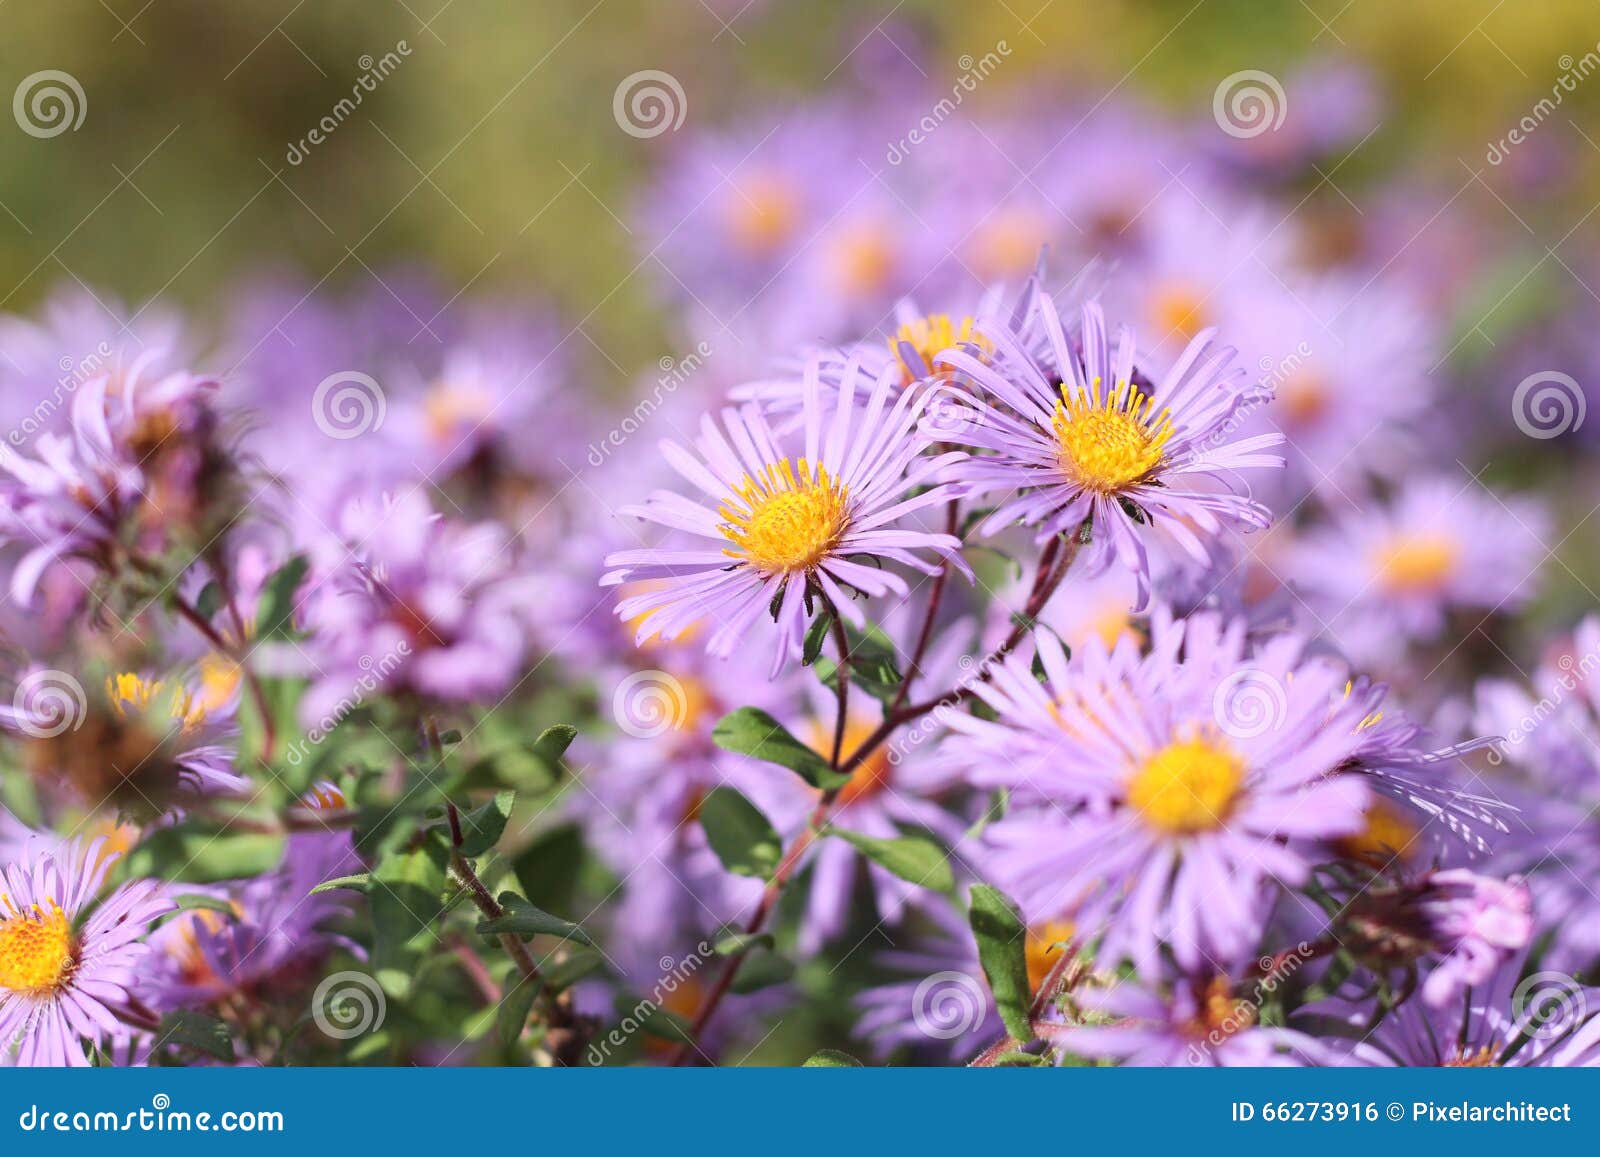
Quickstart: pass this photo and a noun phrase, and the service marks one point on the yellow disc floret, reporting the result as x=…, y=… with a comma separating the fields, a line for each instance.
x=933, y=335
x=1109, y=443
x=787, y=520
x=128, y=690
x=36, y=950
x=1188, y=786
x=1417, y=564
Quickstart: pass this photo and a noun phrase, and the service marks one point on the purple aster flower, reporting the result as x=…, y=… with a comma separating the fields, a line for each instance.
x=1159, y=800
x=1384, y=576
x=69, y=959
x=1188, y=1022
x=424, y=604
x=1544, y=1020
x=789, y=528
x=1076, y=437
x=141, y=466
x=141, y=744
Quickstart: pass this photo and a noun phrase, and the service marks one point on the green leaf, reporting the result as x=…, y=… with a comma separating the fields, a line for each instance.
x=276, y=612
x=196, y=1031
x=523, y=919
x=202, y=854
x=512, y=1015
x=762, y=970
x=482, y=827
x=874, y=665
x=738, y=943
x=191, y=901
x=209, y=601
x=657, y=1021
x=914, y=858
x=751, y=731
x=1002, y=950
x=553, y=742
x=831, y=1059
x=361, y=882
x=563, y=974
x=816, y=639
x=744, y=839
x=406, y=899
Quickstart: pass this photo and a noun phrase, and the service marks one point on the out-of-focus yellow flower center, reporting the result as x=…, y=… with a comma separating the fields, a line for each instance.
x=219, y=681
x=449, y=407
x=787, y=520
x=1187, y=787
x=873, y=774
x=128, y=690
x=762, y=215
x=1043, y=947
x=863, y=260
x=1302, y=399
x=193, y=963
x=1178, y=308
x=1483, y=1058
x=932, y=335
x=1008, y=244
x=1106, y=444
x=1417, y=564
x=36, y=950
x=1386, y=834
x=1221, y=1013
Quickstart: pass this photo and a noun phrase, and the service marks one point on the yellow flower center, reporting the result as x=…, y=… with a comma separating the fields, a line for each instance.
x=1484, y=1057
x=1221, y=1013
x=1106, y=444
x=786, y=521
x=1178, y=309
x=1417, y=565
x=448, y=409
x=128, y=690
x=872, y=776
x=1187, y=787
x=762, y=215
x=932, y=335
x=1386, y=835
x=1303, y=398
x=36, y=950
x=863, y=260
x=1043, y=947
x=1008, y=244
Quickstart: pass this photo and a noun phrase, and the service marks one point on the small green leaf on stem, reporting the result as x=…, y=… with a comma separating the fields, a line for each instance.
x=751, y=731
x=524, y=920
x=1002, y=950
x=916, y=859
x=743, y=838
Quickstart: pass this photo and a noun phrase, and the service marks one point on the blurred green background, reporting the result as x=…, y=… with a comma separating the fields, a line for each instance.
x=491, y=155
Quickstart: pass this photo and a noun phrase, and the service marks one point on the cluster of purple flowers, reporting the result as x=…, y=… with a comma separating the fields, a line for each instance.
x=990, y=665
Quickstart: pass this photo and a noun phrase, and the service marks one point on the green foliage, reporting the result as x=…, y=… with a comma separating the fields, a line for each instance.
x=743, y=838
x=523, y=920
x=751, y=731
x=1002, y=950
x=916, y=859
